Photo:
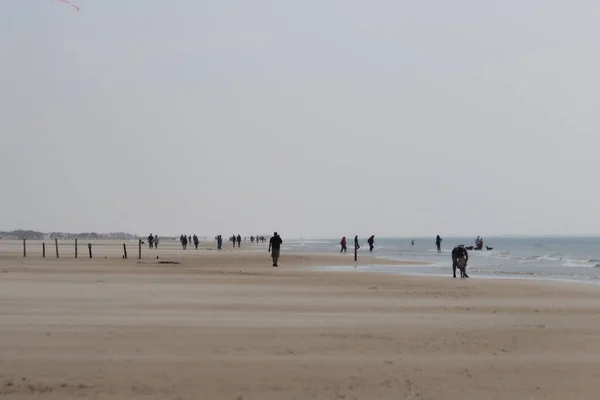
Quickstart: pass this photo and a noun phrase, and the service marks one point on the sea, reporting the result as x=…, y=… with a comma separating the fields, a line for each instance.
x=575, y=259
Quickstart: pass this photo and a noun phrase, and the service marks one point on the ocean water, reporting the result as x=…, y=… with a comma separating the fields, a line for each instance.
x=557, y=258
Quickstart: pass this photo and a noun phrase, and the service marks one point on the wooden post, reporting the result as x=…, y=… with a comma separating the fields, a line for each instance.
x=140, y=249
x=75, y=248
x=125, y=250
x=24, y=248
x=355, y=252
x=43, y=250
x=56, y=245
x=90, y=249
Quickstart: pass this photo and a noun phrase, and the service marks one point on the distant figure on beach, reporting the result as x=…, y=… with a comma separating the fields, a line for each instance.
x=219, y=242
x=371, y=242
x=239, y=240
x=343, y=244
x=252, y=239
x=190, y=239
x=196, y=241
x=275, y=248
x=438, y=243
x=156, y=242
x=184, y=242
x=460, y=257
x=151, y=241
x=412, y=243
x=356, y=245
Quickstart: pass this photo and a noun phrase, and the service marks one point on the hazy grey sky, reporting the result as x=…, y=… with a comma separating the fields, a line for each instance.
x=313, y=118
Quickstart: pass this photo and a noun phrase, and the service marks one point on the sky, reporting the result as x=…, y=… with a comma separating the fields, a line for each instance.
x=314, y=118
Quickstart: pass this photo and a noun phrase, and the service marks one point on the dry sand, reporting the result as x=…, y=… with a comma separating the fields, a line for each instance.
x=229, y=326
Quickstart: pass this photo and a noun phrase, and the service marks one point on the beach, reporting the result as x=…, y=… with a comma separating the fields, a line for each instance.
x=227, y=325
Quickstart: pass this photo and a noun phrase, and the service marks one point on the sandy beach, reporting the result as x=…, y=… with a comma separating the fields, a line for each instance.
x=229, y=326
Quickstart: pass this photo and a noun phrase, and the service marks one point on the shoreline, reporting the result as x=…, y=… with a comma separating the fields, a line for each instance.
x=498, y=277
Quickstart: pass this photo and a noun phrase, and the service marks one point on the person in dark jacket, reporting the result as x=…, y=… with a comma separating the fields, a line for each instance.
x=275, y=248
x=371, y=242
x=343, y=244
x=438, y=243
x=460, y=257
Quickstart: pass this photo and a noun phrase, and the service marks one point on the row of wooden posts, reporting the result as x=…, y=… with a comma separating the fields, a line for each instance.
x=76, y=249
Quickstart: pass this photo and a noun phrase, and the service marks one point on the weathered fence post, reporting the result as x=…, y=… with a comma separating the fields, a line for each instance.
x=124, y=250
x=140, y=249
x=90, y=249
x=75, y=248
x=43, y=250
x=56, y=245
x=24, y=247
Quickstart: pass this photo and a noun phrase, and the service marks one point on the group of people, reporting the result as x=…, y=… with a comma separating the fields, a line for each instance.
x=258, y=239
x=479, y=243
x=153, y=241
x=370, y=241
x=460, y=256
x=236, y=239
x=185, y=240
x=189, y=239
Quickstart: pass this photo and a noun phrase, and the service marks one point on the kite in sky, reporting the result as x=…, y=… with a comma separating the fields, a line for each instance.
x=69, y=3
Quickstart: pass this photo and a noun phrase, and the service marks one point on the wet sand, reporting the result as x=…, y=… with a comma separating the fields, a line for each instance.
x=229, y=326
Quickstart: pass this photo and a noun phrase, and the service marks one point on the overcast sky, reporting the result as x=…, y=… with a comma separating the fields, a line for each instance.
x=313, y=118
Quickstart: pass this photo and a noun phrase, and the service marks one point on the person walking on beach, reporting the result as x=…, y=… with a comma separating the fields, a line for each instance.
x=184, y=242
x=239, y=240
x=356, y=245
x=343, y=244
x=371, y=242
x=438, y=243
x=219, y=242
x=196, y=241
x=151, y=241
x=275, y=248
x=460, y=257
x=156, y=242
